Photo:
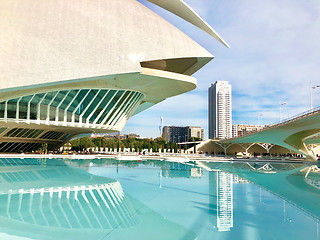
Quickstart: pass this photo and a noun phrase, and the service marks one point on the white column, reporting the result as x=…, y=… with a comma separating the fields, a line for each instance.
x=17, y=109
x=86, y=109
x=28, y=110
x=59, y=105
x=105, y=107
x=48, y=108
x=74, y=111
x=66, y=110
x=93, y=111
x=38, y=108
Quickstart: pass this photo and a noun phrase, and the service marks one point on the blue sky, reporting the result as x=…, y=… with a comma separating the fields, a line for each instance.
x=274, y=55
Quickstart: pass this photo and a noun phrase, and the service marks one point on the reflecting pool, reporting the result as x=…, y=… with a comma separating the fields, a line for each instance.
x=110, y=199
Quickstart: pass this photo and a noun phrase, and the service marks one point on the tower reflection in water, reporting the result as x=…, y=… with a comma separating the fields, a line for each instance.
x=221, y=198
x=51, y=200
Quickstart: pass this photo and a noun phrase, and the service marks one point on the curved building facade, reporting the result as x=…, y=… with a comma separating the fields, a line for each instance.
x=79, y=66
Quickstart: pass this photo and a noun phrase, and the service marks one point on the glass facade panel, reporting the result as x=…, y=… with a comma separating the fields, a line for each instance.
x=94, y=104
x=101, y=104
x=35, y=133
x=57, y=100
x=116, y=107
x=124, y=108
x=76, y=102
x=13, y=132
x=52, y=135
x=110, y=106
x=48, y=98
x=43, y=112
x=2, y=129
x=23, y=107
x=87, y=101
x=33, y=111
x=23, y=133
x=89, y=105
x=23, y=110
x=12, y=108
x=2, y=108
x=68, y=99
x=17, y=147
x=37, y=99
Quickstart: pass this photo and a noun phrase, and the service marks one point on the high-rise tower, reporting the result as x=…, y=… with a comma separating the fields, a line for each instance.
x=220, y=117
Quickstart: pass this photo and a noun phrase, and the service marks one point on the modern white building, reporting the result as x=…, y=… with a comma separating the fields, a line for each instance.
x=80, y=66
x=220, y=110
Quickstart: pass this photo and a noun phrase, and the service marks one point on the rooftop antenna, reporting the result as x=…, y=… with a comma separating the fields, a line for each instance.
x=161, y=125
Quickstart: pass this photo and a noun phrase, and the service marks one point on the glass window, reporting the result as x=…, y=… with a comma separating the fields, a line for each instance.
x=116, y=107
x=2, y=129
x=110, y=106
x=2, y=108
x=76, y=102
x=12, y=108
x=94, y=104
x=52, y=135
x=68, y=99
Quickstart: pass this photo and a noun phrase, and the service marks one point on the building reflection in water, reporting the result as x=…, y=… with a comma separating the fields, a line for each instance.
x=176, y=169
x=95, y=205
x=51, y=200
x=221, y=198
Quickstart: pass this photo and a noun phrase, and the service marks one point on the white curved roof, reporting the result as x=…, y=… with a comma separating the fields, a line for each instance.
x=183, y=10
x=45, y=42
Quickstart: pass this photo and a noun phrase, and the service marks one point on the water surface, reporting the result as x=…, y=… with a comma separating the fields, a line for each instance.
x=108, y=199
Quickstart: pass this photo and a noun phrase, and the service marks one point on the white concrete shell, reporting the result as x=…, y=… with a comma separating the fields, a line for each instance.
x=108, y=45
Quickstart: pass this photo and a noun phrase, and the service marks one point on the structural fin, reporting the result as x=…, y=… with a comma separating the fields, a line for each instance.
x=183, y=10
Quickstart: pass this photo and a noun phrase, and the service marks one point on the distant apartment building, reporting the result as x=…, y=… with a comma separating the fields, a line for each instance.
x=182, y=134
x=220, y=110
x=196, y=132
x=241, y=129
x=234, y=130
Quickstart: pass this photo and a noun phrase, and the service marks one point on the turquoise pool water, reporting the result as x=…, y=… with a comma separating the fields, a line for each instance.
x=108, y=199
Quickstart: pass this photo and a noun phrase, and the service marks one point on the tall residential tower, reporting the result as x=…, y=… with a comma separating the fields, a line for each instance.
x=220, y=118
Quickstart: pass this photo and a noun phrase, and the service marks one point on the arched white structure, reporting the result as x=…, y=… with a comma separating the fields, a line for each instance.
x=80, y=66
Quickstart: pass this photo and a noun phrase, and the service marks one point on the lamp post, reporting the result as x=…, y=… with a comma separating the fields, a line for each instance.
x=312, y=87
x=281, y=104
x=259, y=115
